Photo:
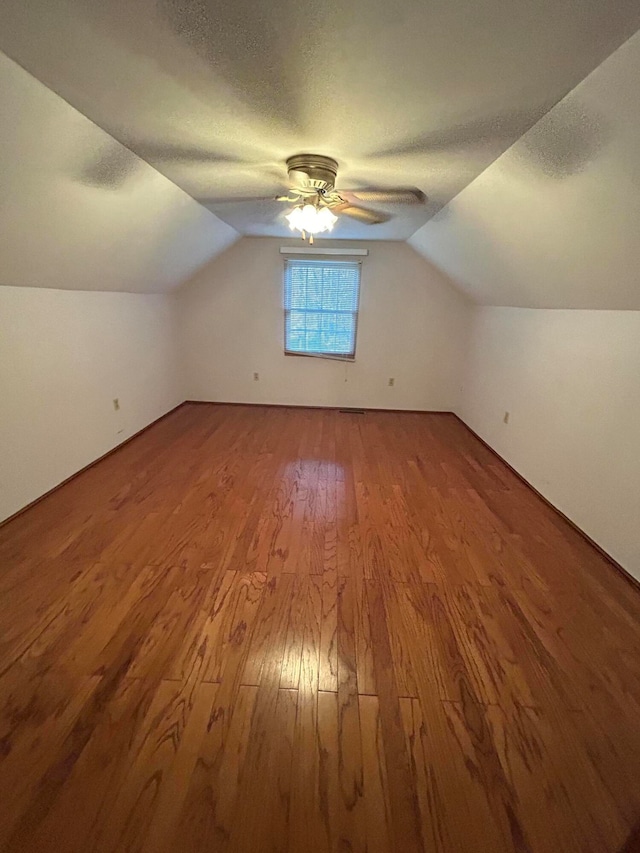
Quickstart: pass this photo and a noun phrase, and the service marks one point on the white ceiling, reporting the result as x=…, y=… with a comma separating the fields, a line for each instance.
x=215, y=95
x=79, y=211
x=555, y=222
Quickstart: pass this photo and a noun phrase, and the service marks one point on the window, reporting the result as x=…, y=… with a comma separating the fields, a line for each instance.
x=321, y=307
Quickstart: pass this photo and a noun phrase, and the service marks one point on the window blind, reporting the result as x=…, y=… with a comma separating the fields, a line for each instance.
x=321, y=307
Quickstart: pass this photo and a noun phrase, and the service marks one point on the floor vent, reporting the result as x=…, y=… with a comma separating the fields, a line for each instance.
x=352, y=411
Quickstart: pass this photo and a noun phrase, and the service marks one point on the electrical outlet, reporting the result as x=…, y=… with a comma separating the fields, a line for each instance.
x=392, y=381
x=116, y=404
x=256, y=377
x=506, y=418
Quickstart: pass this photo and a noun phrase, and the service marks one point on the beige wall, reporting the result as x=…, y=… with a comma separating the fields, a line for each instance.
x=412, y=327
x=64, y=356
x=570, y=381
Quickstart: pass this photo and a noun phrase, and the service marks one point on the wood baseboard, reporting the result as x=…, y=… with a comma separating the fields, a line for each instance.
x=616, y=565
x=89, y=465
x=325, y=408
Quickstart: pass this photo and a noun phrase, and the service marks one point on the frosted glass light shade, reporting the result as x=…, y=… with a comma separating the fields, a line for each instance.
x=311, y=219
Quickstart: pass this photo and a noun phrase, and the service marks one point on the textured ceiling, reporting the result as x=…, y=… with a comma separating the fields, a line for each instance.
x=555, y=222
x=216, y=95
x=79, y=211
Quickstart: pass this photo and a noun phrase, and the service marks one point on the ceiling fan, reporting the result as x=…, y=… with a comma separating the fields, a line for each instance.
x=312, y=191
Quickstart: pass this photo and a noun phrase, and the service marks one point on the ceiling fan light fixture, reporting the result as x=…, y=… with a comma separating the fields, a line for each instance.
x=309, y=219
x=327, y=218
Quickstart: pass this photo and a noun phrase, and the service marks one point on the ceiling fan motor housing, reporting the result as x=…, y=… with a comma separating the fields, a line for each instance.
x=312, y=171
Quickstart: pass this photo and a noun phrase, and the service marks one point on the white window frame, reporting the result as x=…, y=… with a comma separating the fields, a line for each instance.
x=335, y=356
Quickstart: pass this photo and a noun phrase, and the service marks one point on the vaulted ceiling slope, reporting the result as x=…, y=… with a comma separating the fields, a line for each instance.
x=79, y=211
x=217, y=93
x=555, y=222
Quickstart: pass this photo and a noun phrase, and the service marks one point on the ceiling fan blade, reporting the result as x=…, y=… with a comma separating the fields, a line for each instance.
x=370, y=217
x=394, y=196
x=238, y=199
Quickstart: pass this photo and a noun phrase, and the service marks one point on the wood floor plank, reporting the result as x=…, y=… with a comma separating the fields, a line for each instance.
x=266, y=775
x=340, y=813
x=351, y=805
x=159, y=767
x=225, y=776
x=405, y=828
x=375, y=782
x=230, y=640
x=279, y=629
x=328, y=674
x=290, y=675
x=268, y=757
x=545, y=760
x=307, y=830
x=208, y=625
x=25, y=765
x=364, y=643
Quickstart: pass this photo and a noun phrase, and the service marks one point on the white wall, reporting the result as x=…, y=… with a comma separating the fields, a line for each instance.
x=553, y=223
x=412, y=327
x=79, y=211
x=570, y=380
x=64, y=356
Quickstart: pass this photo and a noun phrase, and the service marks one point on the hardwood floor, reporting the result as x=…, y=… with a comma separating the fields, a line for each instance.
x=262, y=629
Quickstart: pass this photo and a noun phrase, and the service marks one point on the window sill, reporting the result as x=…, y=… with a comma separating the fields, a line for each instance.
x=349, y=358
